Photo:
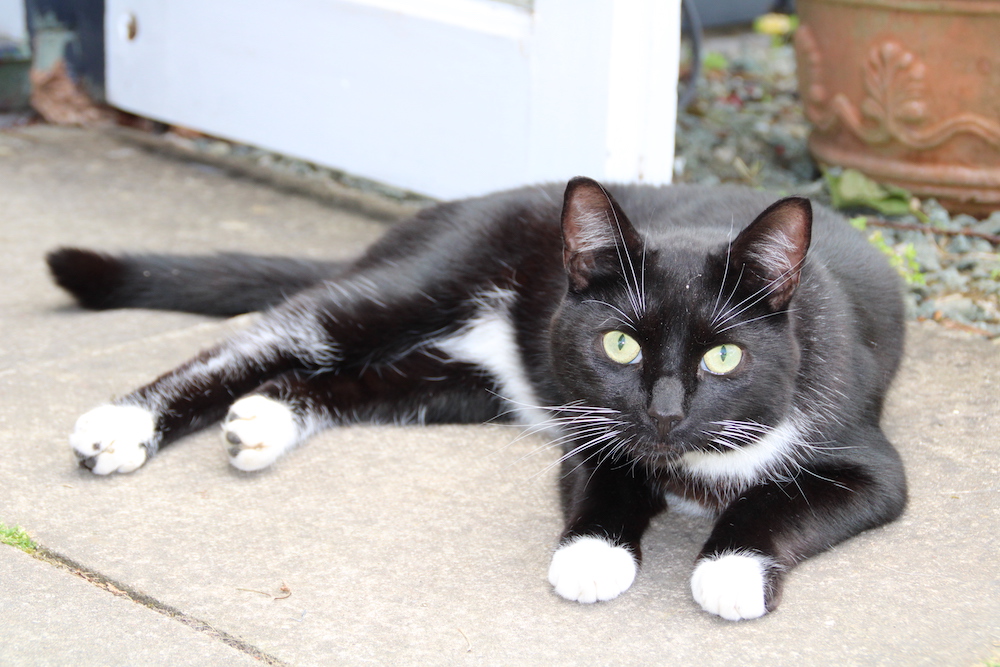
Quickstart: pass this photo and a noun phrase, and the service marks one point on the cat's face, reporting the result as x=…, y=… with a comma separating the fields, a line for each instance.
x=679, y=343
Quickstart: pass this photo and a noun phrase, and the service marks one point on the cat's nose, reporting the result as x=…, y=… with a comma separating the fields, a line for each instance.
x=666, y=405
x=665, y=423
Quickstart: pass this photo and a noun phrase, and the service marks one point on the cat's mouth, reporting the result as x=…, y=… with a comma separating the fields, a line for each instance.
x=663, y=452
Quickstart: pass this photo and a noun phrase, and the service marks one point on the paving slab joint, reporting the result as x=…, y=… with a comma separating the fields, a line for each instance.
x=127, y=592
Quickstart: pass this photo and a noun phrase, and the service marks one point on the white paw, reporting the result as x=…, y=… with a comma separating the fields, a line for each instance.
x=732, y=586
x=257, y=431
x=589, y=569
x=112, y=438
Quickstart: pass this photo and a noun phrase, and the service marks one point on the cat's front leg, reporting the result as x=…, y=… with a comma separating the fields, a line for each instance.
x=736, y=585
x=774, y=526
x=592, y=568
x=607, y=507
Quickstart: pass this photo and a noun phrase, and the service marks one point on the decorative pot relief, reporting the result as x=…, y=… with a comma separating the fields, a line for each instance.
x=895, y=106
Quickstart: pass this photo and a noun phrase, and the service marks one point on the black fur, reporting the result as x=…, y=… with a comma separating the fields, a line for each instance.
x=682, y=270
x=222, y=284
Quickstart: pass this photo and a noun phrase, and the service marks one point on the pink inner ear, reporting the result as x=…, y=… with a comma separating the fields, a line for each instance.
x=774, y=247
x=588, y=217
x=779, y=256
x=591, y=222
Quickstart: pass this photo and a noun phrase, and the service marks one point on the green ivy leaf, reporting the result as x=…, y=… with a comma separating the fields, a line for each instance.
x=851, y=188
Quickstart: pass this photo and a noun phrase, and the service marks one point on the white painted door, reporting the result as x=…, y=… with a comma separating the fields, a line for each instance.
x=448, y=98
x=12, y=23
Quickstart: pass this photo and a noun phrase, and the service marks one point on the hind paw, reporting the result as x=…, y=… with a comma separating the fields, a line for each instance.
x=257, y=431
x=113, y=438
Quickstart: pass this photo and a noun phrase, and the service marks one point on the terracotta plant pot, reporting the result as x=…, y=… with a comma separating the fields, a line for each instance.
x=908, y=92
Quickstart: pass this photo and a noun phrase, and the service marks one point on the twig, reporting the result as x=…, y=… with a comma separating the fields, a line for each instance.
x=469, y=649
x=284, y=589
x=915, y=227
x=253, y=590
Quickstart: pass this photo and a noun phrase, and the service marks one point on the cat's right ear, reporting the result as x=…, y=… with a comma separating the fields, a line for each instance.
x=592, y=224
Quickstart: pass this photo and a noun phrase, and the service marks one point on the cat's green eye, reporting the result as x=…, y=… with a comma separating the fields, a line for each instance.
x=722, y=359
x=622, y=348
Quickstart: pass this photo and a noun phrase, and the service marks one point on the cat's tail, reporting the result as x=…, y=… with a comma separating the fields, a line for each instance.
x=223, y=284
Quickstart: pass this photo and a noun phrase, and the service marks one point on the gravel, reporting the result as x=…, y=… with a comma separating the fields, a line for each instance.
x=746, y=126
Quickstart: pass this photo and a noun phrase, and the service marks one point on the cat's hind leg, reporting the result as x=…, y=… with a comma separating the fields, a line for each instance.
x=420, y=388
x=335, y=330
x=259, y=429
x=114, y=438
x=122, y=436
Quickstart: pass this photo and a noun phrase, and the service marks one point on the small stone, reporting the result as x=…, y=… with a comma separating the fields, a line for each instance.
x=966, y=264
x=926, y=254
x=990, y=225
x=936, y=214
x=959, y=309
x=959, y=245
x=724, y=154
x=982, y=245
x=987, y=285
x=926, y=310
x=965, y=221
x=952, y=280
x=218, y=148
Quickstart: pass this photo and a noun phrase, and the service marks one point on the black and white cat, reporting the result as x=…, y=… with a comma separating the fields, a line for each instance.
x=678, y=343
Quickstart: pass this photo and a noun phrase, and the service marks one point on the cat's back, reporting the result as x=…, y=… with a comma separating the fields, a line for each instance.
x=718, y=213
x=518, y=226
x=720, y=208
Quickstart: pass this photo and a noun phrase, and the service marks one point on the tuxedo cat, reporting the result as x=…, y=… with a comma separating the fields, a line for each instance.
x=711, y=350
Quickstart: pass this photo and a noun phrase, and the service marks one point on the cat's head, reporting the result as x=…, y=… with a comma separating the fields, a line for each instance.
x=677, y=340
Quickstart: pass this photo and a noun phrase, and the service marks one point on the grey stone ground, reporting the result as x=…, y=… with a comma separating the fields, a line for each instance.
x=400, y=545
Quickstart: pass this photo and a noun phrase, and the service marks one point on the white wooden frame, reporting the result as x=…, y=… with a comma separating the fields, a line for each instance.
x=448, y=98
x=12, y=20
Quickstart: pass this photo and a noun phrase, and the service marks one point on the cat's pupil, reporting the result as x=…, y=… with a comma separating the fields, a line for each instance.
x=621, y=342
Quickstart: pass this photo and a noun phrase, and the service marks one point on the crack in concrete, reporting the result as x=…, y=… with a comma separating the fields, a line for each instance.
x=118, y=589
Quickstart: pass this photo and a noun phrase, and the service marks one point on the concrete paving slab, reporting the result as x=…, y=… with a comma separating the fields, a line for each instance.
x=52, y=617
x=427, y=545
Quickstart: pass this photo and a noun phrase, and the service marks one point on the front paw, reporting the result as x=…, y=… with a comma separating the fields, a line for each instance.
x=257, y=431
x=734, y=586
x=589, y=569
x=113, y=438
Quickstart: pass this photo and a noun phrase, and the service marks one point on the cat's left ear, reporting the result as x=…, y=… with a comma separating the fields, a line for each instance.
x=596, y=234
x=772, y=249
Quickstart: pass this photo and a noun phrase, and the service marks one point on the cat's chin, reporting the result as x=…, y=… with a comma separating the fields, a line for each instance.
x=662, y=457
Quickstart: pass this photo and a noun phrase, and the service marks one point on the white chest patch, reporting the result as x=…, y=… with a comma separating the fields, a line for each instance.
x=774, y=453
x=489, y=341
